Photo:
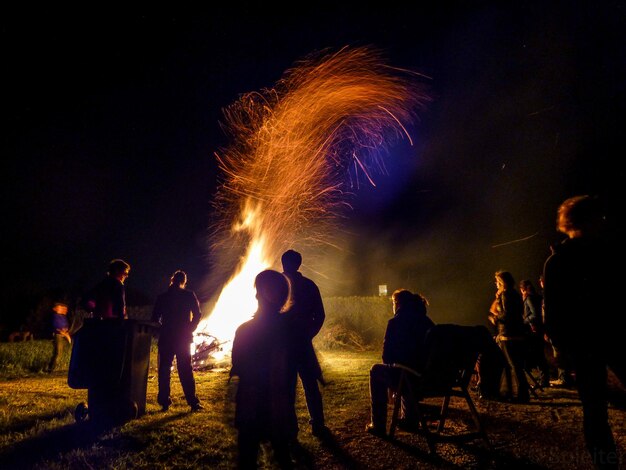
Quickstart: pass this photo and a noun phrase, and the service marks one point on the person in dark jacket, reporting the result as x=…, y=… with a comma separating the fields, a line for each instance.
x=403, y=344
x=107, y=300
x=533, y=319
x=564, y=374
x=264, y=361
x=306, y=316
x=507, y=315
x=582, y=318
x=178, y=312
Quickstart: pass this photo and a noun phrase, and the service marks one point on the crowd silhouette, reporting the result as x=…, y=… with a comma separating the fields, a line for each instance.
x=568, y=331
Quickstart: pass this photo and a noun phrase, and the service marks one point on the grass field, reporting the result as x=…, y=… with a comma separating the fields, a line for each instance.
x=38, y=430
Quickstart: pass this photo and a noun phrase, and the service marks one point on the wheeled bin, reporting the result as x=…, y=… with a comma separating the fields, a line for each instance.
x=110, y=358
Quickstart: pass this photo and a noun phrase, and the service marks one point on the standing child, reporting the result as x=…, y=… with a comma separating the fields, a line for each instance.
x=263, y=359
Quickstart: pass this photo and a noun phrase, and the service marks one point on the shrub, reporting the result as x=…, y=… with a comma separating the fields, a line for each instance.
x=354, y=322
x=28, y=356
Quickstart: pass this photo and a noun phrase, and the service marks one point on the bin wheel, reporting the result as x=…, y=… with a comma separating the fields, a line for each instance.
x=81, y=412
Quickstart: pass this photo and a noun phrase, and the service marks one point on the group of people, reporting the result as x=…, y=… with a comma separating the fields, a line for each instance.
x=577, y=315
x=107, y=300
x=269, y=352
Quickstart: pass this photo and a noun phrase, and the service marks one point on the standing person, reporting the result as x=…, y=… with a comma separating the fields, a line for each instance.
x=108, y=299
x=506, y=314
x=101, y=346
x=306, y=315
x=581, y=317
x=178, y=312
x=60, y=334
x=533, y=319
x=564, y=376
x=403, y=344
x=263, y=359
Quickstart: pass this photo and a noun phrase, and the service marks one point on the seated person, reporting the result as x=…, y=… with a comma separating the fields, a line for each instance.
x=403, y=343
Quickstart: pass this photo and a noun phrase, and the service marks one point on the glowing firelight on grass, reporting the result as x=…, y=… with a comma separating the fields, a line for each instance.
x=298, y=150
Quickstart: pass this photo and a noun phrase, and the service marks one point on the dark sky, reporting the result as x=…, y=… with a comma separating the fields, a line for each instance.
x=112, y=121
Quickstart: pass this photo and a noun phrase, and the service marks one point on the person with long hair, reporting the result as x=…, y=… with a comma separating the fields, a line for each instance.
x=263, y=361
x=506, y=314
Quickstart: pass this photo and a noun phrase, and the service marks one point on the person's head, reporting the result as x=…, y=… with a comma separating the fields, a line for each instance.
x=291, y=261
x=179, y=279
x=119, y=269
x=504, y=280
x=580, y=216
x=401, y=298
x=526, y=287
x=272, y=290
x=60, y=308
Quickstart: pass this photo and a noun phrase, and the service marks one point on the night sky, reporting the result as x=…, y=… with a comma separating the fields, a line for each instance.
x=112, y=120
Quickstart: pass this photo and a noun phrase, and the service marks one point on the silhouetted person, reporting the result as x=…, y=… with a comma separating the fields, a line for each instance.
x=582, y=318
x=107, y=300
x=263, y=359
x=403, y=344
x=178, y=312
x=490, y=365
x=507, y=315
x=564, y=375
x=107, y=304
x=61, y=338
x=306, y=316
x=533, y=319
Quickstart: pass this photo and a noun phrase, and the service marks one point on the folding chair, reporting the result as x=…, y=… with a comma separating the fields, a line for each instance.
x=451, y=355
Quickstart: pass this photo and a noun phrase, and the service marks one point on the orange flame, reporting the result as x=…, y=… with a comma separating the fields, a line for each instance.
x=237, y=300
x=297, y=150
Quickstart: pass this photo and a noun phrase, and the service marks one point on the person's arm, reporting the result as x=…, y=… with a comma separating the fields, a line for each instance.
x=499, y=307
x=196, y=313
x=157, y=314
x=553, y=297
x=534, y=316
x=509, y=306
x=118, y=301
x=390, y=343
x=236, y=354
x=319, y=315
x=66, y=334
x=493, y=311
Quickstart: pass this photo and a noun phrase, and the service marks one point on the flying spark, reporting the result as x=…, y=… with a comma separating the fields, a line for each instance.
x=298, y=152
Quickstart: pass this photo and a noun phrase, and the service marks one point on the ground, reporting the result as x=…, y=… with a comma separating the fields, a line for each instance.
x=38, y=428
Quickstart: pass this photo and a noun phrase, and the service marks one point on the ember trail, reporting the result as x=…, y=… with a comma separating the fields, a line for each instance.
x=298, y=151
